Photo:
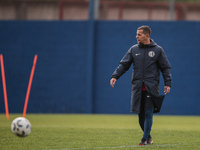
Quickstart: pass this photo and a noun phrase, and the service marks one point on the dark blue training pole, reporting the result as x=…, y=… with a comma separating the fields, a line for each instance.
x=90, y=59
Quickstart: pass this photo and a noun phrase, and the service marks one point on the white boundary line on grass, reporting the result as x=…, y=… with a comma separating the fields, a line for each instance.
x=123, y=146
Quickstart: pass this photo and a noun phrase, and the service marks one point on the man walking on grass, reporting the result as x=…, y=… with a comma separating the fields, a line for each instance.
x=148, y=60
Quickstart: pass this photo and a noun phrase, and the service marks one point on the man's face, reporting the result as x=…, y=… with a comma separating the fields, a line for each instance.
x=141, y=37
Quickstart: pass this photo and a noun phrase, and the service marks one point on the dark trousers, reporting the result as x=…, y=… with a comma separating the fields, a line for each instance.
x=146, y=114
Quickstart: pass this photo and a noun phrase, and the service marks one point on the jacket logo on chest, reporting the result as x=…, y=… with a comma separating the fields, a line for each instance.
x=151, y=54
x=137, y=54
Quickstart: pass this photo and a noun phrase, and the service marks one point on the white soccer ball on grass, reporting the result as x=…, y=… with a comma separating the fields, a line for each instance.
x=21, y=127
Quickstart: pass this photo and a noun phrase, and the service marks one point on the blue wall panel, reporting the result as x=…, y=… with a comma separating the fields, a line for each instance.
x=59, y=83
x=59, y=80
x=180, y=43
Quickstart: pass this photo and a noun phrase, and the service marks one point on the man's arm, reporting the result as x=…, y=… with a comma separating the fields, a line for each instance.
x=166, y=71
x=124, y=65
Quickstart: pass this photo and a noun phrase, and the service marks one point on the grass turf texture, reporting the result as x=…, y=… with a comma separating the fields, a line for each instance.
x=76, y=132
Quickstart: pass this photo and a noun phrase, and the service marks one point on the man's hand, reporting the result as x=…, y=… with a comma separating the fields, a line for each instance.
x=166, y=89
x=112, y=82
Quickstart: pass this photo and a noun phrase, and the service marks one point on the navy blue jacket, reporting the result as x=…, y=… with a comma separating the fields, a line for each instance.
x=148, y=61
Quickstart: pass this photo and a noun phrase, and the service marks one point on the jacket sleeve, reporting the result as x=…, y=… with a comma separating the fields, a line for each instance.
x=165, y=68
x=124, y=65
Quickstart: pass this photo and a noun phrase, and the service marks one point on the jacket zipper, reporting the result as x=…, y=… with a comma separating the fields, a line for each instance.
x=143, y=65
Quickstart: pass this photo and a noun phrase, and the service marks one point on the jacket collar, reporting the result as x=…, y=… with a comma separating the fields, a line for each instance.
x=152, y=44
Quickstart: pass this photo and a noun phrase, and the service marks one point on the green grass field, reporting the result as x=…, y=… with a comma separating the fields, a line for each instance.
x=78, y=132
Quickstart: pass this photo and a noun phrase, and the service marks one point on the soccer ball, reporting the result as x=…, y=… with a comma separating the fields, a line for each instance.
x=21, y=127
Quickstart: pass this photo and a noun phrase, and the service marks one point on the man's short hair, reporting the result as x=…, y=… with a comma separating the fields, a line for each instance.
x=146, y=29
